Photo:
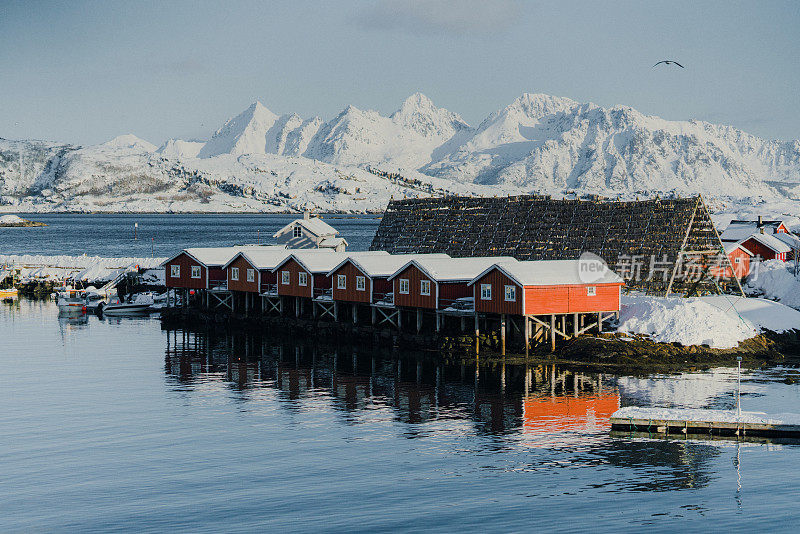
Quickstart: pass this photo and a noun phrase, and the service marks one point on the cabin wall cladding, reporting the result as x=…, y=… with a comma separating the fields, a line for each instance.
x=242, y=284
x=185, y=279
x=537, y=227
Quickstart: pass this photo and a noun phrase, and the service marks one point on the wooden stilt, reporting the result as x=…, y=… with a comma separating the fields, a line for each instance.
x=503, y=334
x=527, y=334
x=438, y=322
x=354, y=307
x=552, y=333
x=419, y=320
x=575, y=328
x=297, y=306
x=374, y=314
x=600, y=322
x=477, y=334
x=336, y=311
x=463, y=323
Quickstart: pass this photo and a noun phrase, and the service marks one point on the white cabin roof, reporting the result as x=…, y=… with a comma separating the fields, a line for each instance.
x=219, y=256
x=269, y=258
x=381, y=266
x=314, y=262
x=730, y=247
x=790, y=239
x=739, y=230
x=453, y=269
x=769, y=241
x=332, y=242
x=315, y=225
x=554, y=273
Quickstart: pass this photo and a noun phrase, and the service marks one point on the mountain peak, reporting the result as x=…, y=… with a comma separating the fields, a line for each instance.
x=130, y=141
x=243, y=134
x=419, y=113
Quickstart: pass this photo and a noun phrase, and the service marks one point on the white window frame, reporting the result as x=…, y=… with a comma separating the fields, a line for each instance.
x=341, y=281
x=175, y=271
x=286, y=278
x=510, y=293
x=403, y=286
x=361, y=283
x=591, y=291
x=235, y=273
x=297, y=231
x=302, y=279
x=486, y=291
x=251, y=275
x=425, y=288
x=737, y=261
x=196, y=269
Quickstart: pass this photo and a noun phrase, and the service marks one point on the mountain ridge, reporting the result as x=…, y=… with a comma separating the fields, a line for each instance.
x=538, y=143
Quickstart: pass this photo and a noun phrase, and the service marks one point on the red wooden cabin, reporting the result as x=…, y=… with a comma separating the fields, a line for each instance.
x=305, y=273
x=251, y=270
x=767, y=246
x=740, y=257
x=198, y=268
x=436, y=283
x=365, y=279
x=545, y=288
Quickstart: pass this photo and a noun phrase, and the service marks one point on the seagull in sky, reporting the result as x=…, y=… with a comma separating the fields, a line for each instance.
x=669, y=62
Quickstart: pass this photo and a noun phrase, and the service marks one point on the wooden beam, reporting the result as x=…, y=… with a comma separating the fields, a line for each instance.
x=503, y=334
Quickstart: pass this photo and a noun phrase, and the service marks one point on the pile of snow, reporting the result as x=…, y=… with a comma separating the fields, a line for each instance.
x=12, y=219
x=775, y=280
x=720, y=321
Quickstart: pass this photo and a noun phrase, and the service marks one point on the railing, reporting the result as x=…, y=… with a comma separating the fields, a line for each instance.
x=218, y=285
x=323, y=293
x=385, y=299
x=271, y=289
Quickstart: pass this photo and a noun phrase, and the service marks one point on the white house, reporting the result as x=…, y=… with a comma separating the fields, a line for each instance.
x=310, y=232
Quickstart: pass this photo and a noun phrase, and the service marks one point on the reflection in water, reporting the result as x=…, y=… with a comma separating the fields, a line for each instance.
x=534, y=406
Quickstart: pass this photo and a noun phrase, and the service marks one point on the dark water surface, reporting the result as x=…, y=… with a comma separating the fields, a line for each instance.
x=161, y=235
x=114, y=424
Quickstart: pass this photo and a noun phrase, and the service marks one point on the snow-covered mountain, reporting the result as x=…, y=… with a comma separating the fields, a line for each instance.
x=259, y=160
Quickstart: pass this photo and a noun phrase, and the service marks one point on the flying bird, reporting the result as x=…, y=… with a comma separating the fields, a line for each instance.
x=669, y=62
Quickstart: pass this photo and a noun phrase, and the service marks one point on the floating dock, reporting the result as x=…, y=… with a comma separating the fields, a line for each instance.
x=677, y=421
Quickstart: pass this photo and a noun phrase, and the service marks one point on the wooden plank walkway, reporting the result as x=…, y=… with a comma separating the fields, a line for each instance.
x=705, y=422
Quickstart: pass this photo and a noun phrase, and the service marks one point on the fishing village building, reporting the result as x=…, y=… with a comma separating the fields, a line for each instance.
x=659, y=246
x=310, y=232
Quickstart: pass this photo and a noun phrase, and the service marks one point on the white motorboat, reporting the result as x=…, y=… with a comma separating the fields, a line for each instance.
x=135, y=305
x=97, y=298
x=70, y=300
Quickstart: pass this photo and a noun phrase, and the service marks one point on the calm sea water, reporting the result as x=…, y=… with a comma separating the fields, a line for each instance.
x=161, y=235
x=116, y=424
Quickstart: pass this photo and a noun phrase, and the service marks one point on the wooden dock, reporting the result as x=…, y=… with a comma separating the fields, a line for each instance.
x=666, y=421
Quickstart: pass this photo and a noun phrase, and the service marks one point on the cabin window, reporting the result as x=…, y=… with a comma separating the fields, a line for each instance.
x=511, y=294
x=737, y=261
x=591, y=291
x=302, y=279
x=234, y=273
x=286, y=278
x=425, y=287
x=251, y=275
x=486, y=291
x=341, y=281
x=175, y=271
x=297, y=232
x=195, y=271
x=361, y=283
x=404, y=286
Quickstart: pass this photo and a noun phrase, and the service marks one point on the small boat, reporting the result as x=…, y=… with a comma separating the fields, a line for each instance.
x=8, y=295
x=70, y=300
x=136, y=304
x=97, y=298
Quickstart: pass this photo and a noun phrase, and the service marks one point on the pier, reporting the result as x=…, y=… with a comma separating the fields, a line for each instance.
x=700, y=422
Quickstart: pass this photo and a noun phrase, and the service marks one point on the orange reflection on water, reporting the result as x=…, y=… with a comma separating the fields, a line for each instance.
x=584, y=414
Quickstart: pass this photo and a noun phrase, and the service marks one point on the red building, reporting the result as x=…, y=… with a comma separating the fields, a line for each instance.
x=365, y=279
x=251, y=270
x=767, y=246
x=305, y=273
x=552, y=287
x=436, y=283
x=740, y=257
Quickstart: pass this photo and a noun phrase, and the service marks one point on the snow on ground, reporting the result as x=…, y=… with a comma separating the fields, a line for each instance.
x=12, y=219
x=87, y=268
x=720, y=321
x=775, y=280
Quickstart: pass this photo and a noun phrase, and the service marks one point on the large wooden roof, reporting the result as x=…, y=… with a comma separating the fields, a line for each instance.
x=541, y=228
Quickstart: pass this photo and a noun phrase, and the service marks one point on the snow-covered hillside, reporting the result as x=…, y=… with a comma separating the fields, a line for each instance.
x=263, y=161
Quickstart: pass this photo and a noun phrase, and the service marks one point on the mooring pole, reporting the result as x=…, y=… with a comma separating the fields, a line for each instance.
x=738, y=386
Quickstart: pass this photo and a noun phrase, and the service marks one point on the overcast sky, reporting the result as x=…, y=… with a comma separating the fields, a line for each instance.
x=86, y=72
